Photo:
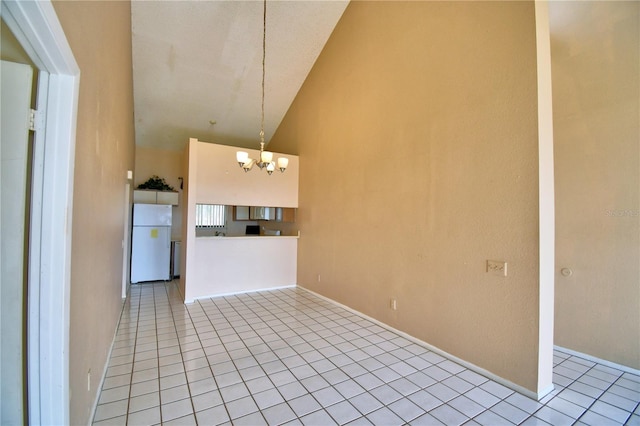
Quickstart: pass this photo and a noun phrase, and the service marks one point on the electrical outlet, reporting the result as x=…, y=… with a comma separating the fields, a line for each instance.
x=89, y=380
x=393, y=304
x=497, y=267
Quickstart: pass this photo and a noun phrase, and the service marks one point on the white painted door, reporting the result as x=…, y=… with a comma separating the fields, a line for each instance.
x=15, y=95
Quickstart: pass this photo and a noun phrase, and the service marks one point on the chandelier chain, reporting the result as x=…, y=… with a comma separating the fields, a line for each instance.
x=265, y=159
x=264, y=54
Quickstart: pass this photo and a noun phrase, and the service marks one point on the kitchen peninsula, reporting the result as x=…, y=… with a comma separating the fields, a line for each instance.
x=235, y=262
x=243, y=263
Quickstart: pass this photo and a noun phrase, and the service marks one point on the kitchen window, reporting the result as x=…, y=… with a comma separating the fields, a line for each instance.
x=211, y=216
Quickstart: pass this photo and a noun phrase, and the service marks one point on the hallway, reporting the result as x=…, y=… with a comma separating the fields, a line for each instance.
x=287, y=356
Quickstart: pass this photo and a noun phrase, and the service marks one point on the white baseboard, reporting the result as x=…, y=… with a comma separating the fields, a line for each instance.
x=94, y=406
x=513, y=386
x=598, y=360
x=235, y=293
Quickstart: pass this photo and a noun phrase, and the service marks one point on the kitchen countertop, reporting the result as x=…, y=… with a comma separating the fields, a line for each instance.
x=247, y=237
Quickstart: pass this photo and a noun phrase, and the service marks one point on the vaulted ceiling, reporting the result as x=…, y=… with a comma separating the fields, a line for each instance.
x=197, y=66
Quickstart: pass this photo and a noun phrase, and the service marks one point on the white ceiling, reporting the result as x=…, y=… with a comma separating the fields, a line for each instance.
x=201, y=61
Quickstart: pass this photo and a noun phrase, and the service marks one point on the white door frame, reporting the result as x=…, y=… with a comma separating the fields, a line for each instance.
x=36, y=26
x=125, y=240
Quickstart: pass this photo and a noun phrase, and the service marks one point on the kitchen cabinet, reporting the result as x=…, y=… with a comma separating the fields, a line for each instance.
x=285, y=215
x=240, y=212
x=279, y=214
x=164, y=197
x=262, y=213
x=145, y=196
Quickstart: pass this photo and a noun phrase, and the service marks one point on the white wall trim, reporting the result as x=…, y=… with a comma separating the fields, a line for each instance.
x=546, y=199
x=598, y=360
x=236, y=293
x=36, y=26
x=513, y=386
x=126, y=246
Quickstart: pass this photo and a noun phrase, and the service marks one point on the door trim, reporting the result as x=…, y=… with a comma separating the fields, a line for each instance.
x=36, y=26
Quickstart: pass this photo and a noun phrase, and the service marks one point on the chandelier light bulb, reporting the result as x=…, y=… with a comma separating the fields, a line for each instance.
x=266, y=156
x=271, y=167
x=282, y=164
x=248, y=165
x=242, y=157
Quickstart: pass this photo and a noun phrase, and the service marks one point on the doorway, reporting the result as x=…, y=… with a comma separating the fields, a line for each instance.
x=15, y=88
x=38, y=31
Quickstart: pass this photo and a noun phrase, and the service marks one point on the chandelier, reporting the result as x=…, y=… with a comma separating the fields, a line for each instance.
x=265, y=160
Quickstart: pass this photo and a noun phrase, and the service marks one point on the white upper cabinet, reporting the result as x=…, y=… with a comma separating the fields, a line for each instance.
x=145, y=196
x=262, y=213
x=167, y=198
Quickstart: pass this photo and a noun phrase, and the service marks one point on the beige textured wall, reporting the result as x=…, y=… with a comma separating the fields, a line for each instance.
x=417, y=136
x=165, y=164
x=11, y=50
x=99, y=34
x=219, y=179
x=596, y=74
x=161, y=162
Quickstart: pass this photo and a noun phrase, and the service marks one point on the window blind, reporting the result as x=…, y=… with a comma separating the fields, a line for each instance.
x=210, y=215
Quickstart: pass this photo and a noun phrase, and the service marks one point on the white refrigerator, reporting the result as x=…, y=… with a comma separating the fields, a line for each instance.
x=151, y=242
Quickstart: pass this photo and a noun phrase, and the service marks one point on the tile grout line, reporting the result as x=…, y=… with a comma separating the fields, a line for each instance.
x=544, y=405
x=603, y=392
x=576, y=420
x=296, y=330
x=133, y=359
x=138, y=314
x=383, y=383
x=301, y=355
x=155, y=320
x=172, y=315
x=420, y=388
x=275, y=387
x=577, y=380
x=213, y=376
x=253, y=356
x=353, y=378
x=500, y=399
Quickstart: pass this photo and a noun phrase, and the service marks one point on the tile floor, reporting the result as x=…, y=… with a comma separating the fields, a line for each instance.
x=287, y=356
